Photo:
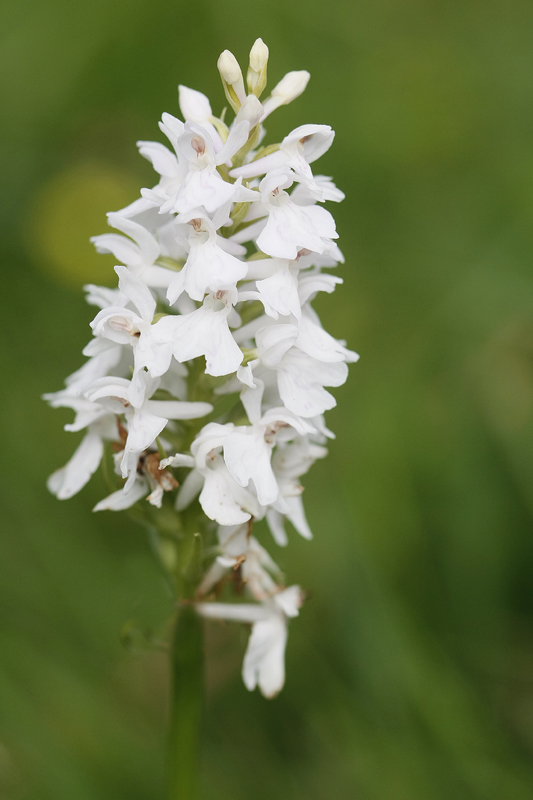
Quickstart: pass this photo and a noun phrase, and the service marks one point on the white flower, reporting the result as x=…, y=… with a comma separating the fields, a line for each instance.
x=208, y=267
x=101, y=426
x=291, y=227
x=103, y=356
x=239, y=550
x=300, y=377
x=203, y=186
x=146, y=422
x=139, y=255
x=305, y=194
x=248, y=451
x=297, y=150
x=301, y=382
x=318, y=343
x=120, y=500
x=289, y=463
x=205, y=332
x=152, y=343
x=68, y=480
x=288, y=89
x=171, y=166
x=280, y=289
x=264, y=660
x=221, y=497
x=148, y=478
x=195, y=107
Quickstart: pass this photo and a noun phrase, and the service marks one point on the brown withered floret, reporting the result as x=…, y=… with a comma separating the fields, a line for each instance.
x=162, y=476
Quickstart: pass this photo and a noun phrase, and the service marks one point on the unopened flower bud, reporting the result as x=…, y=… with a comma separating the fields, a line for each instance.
x=228, y=66
x=258, y=55
x=288, y=89
x=291, y=86
x=232, y=79
x=257, y=71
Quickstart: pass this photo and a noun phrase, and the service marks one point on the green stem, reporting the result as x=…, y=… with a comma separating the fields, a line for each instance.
x=187, y=686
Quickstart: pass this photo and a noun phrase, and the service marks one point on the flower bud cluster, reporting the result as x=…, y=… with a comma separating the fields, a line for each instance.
x=206, y=375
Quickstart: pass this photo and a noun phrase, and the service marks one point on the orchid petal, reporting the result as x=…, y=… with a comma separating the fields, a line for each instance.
x=68, y=480
x=137, y=291
x=119, y=501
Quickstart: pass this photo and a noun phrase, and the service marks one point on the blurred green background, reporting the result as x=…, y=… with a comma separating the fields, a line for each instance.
x=410, y=670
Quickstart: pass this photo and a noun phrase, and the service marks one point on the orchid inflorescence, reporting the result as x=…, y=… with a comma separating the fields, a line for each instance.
x=207, y=369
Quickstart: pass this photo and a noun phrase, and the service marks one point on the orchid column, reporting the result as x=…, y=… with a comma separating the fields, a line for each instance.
x=205, y=380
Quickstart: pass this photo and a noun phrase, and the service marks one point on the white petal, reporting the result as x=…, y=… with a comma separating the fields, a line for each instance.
x=309, y=285
x=238, y=136
x=172, y=127
x=318, y=140
x=291, y=228
x=245, y=375
x=297, y=516
x=206, y=332
x=179, y=460
x=124, y=250
x=117, y=324
x=146, y=242
x=264, y=660
x=203, y=188
x=304, y=398
x=239, y=612
x=157, y=277
x=138, y=207
x=103, y=297
x=247, y=457
x=221, y=500
x=273, y=342
x=176, y=287
x=194, y=105
x=260, y=166
x=189, y=489
x=177, y=409
x=128, y=469
x=262, y=268
x=143, y=428
x=137, y=291
x=277, y=529
x=86, y=415
x=155, y=498
x=96, y=367
x=230, y=246
x=281, y=291
x=152, y=353
x=252, y=397
x=290, y=600
x=208, y=268
x=162, y=160
x=301, y=380
x=118, y=501
x=108, y=387
x=68, y=480
x=318, y=343
x=281, y=414
x=251, y=232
